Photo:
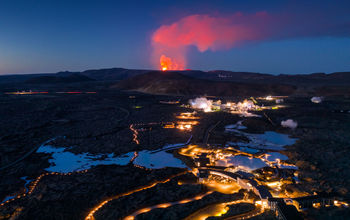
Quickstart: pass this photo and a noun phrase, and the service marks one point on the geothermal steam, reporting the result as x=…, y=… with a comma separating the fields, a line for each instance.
x=316, y=99
x=201, y=103
x=289, y=124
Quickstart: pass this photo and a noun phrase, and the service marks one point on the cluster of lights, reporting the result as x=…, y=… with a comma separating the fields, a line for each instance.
x=184, y=127
x=185, y=124
x=135, y=131
x=169, y=125
x=340, y=203
x=223, y=209
x=33, y=93
x=240, y=108
x=218, y=180
x=187, y=115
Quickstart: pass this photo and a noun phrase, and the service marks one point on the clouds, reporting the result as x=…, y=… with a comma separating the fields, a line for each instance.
x=223, y=32
x=208, y=32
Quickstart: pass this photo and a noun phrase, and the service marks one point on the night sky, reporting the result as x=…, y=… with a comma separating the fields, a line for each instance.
x=45, y=36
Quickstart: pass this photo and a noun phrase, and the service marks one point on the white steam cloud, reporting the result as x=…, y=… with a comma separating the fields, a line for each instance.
x=316, y=99
x=289, y=124
x=201, y=103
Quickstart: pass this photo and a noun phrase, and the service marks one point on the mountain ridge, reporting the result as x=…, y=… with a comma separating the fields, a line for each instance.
x=117, y=74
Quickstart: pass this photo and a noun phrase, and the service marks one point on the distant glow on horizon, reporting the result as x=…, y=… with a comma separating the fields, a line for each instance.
x=314, y=41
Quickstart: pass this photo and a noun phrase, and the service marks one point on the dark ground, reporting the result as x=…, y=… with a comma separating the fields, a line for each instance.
x=99, y=123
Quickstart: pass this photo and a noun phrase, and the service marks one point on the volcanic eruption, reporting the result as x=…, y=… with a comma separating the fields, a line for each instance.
x=222, y=32
x=167, y=63
x=205, y=32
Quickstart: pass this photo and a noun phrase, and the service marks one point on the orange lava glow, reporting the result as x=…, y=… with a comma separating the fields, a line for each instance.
x=168, y=63
x=206, y=32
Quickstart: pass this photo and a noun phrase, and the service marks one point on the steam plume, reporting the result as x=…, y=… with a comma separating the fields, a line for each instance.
x=201, y=103
x=316, y=99
x=289, y=124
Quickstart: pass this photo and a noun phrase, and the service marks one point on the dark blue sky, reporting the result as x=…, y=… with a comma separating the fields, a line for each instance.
x=50, y=36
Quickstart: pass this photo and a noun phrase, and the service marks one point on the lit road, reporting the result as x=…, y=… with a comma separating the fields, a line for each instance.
x=166, y=205
x=220, y=209
x=35, y=183
x=90, y=215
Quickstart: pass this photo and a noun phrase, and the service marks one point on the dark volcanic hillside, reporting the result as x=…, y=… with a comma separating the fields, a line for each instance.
x=108, y=74
x=58, y=79
x=116, y=74
x=196, y=82
x=175, y=83
x=111, y=74
x=338, y=78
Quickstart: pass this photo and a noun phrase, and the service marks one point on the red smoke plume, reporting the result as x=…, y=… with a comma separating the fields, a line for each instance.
x=206, y=32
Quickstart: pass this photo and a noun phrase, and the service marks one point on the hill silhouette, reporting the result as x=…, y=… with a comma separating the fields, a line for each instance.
x=175, y=83
x=72, y=78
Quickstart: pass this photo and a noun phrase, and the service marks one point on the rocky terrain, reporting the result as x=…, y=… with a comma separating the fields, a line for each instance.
x=100, y=122
x=174, y=83
x=73, y=78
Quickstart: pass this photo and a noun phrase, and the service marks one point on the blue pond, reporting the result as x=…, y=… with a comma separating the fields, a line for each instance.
x=64, y=161
x=158, y=160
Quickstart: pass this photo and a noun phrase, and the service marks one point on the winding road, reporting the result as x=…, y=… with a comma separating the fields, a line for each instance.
x=91, y=213
x=166, y=205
